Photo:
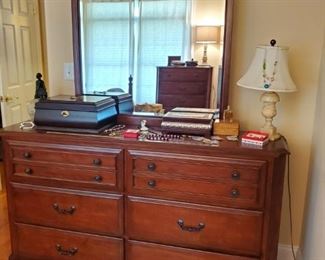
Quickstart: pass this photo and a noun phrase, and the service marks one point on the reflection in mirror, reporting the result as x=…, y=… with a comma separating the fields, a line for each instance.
x=118, y=38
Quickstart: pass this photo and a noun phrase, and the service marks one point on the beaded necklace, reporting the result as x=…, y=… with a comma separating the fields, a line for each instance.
x=269, y=79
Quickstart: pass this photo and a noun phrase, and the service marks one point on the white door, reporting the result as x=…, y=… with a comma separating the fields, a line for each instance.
x=20, y=57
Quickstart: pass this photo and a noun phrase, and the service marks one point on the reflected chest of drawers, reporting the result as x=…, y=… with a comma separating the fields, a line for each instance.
x=97, y=197
x=184, y=86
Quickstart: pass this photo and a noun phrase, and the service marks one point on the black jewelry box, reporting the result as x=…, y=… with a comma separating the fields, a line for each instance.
x=124, y=102
x=87, y=114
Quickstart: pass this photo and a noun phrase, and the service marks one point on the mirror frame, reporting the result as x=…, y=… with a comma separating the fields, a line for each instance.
x=226, y=59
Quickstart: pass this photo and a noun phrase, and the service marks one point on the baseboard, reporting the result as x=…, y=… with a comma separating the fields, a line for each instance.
x=285, y=253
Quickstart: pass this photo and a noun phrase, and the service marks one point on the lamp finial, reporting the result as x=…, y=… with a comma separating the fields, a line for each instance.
x=273, y=42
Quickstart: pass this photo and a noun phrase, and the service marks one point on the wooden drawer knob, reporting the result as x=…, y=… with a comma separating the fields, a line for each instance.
x=152, y=183
x=234, y=193
x=27, y=155
x=98, y=178
x=68, y=252
x=151, y=166
x=97, y=162
x=235, y=175
x=28, y=171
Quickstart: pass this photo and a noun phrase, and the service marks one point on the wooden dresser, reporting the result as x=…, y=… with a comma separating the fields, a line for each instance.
x=74, y=196
x=184, y=86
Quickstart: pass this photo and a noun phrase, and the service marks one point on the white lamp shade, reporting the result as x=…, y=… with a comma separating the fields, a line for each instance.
x=207, y=34
x=269, y=71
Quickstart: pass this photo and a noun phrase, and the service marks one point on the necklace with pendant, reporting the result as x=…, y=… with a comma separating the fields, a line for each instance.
x=269, y=79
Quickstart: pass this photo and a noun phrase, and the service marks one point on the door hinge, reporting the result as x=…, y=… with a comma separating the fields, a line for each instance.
x=6, y=99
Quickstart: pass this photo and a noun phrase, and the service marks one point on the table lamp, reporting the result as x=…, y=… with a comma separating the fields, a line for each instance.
x=206, y=35
x=269, y=72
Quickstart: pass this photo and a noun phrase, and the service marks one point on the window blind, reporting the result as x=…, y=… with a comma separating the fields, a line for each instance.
x=132, y=37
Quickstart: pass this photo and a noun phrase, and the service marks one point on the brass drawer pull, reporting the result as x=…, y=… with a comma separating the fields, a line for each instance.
x=152, y=183
x=28, y=171
x=235, y=193
x=68, y=252
x=151, y=166
x=97, y=162
x=98, y=178
x=65, y=113
x=68, y=211
x=27, y=155
x=198, y=228
x=235, y=175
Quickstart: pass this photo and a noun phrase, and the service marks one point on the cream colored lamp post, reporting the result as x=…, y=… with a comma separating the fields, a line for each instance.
x=207, y=35
x=269, y=72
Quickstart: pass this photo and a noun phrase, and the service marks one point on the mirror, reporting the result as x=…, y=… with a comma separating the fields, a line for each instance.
x=220, y=77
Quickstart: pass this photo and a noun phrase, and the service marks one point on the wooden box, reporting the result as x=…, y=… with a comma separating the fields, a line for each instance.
x=226, y=128
x=89, y=114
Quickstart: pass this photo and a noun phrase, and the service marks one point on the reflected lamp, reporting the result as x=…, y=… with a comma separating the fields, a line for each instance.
x=207, y=35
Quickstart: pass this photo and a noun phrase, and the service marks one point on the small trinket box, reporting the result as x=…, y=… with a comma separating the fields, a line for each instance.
x=131, y=133
x=226, y=128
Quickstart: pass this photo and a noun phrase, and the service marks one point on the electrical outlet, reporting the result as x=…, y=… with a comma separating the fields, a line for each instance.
x=68, y=71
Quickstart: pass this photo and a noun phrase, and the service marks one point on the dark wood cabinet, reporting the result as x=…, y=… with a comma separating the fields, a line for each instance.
x=184, y=86
x=100, y=197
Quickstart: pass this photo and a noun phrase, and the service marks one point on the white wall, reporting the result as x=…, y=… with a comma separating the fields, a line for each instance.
x=300, y=25
x=58, y=41
x=314, y=231
x=209, y=12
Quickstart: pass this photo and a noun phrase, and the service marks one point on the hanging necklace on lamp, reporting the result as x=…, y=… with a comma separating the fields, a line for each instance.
x=269, y=79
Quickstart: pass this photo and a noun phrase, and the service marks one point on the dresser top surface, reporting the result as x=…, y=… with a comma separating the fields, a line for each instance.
x=187, y=145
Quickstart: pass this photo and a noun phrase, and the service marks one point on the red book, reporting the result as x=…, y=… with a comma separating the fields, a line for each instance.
x=255, y=137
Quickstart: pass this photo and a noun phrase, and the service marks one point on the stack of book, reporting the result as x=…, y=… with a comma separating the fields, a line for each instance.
x=255, y=138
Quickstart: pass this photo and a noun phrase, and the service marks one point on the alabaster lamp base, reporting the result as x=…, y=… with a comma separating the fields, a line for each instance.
x=205, y=55
x=269, y=100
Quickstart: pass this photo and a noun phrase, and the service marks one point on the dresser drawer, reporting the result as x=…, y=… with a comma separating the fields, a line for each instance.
x=179, y=88
x=38, y=173
x=183, y=99
x=147, y=251
x=41, y=243
x=66, y=165
x=190, y=225
x=184, y=74
x=95, y=157
x=80, y=211
x=212, y=180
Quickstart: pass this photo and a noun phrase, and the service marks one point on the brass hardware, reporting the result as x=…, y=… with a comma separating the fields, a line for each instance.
x=65, y=113
x=27, y=155
x=151, y=166
x=198, y=228
x=68, y=211
x=68, y=252
x=235, y=175
x=152, y=183
x=28, y=171
x=6, y=99
x=97, y=162
x=98, y=178
x=235, y=193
